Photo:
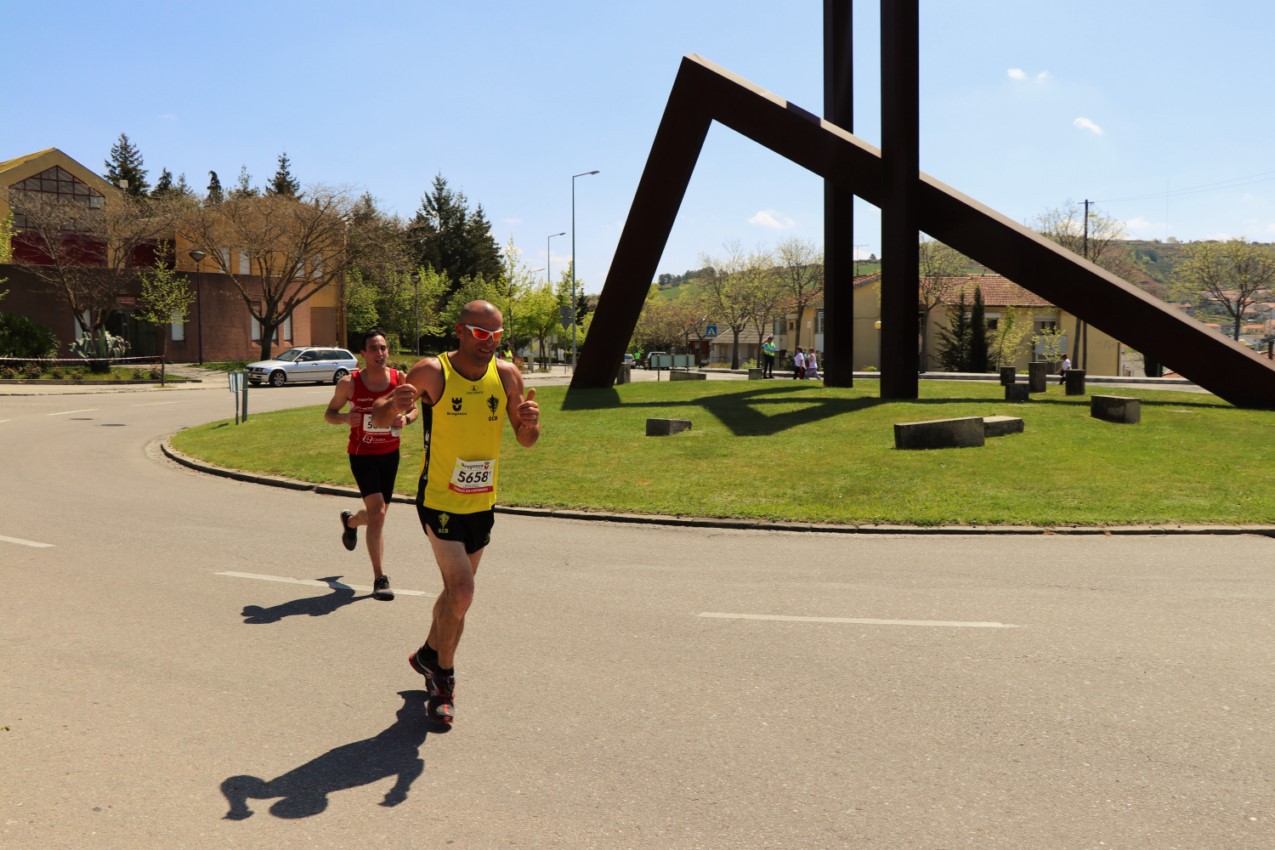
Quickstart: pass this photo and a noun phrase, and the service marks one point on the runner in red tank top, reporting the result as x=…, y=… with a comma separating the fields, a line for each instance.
x=373, y=450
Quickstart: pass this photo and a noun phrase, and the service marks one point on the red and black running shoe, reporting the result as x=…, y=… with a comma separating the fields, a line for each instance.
x=441, y=687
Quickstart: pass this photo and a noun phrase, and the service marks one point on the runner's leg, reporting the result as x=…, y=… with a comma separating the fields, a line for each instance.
x=458, y=570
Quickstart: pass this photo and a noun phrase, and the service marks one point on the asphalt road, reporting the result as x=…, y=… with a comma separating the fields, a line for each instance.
x=190, y=661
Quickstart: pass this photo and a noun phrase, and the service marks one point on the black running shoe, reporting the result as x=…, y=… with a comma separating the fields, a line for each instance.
x=349, y=536
x=381, y=589
x=442, y=690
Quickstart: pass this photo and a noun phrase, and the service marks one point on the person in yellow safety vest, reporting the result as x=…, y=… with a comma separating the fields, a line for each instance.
x=768, y=351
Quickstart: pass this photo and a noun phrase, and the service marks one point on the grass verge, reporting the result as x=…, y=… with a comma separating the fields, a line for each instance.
x=793, y=452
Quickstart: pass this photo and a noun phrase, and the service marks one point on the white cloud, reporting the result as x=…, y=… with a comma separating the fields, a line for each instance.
x=772, y=220
x=1086, y=124
x=1021, y=75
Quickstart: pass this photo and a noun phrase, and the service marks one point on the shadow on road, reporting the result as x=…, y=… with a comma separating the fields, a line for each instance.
x=313, y=606
x=305, y=789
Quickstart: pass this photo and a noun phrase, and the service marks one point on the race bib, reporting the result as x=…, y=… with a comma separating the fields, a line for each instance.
x=369, y=428
x=473, y=476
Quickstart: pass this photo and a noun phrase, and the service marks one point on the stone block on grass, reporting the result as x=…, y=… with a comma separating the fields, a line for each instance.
x=666, y=427
x=965, y=432
x=999, y=426
x=1116, y=408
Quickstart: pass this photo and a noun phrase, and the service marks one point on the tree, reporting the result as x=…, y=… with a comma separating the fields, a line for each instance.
x=215, y=194
x=182, y=188
x=90, y=252
x=1086, y=233
x=1233, y=275
x=164, y=185
x=800, y=267
x=243, y=186
x=277, y=252
x=124, y=169
x=766, y=293
x=978, y=334
x=283, y=183
x=954, y=348
x=1012, y=330
x=940, y=268
x=446, y=236
x=165, y=299
x=381, y=265
x=516, y=284
x=727, y=293
x=6, y=245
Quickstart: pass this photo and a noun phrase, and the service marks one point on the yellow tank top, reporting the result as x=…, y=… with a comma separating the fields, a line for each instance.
x=463, y=430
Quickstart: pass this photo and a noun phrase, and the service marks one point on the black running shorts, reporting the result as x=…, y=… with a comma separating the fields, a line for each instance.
x=375, y=474
x=474, y=530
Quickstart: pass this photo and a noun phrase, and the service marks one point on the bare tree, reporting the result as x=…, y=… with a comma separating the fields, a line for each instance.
x=1233, y=274
x=941, y=268
x=1087, y=233
x=799, y=265
x=278, y=252
x=91, y=248
x=727, y=287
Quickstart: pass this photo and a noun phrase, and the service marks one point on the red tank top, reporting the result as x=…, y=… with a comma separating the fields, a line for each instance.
x=365, y=439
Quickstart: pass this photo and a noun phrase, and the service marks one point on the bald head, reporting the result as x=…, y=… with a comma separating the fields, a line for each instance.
x=476, y=312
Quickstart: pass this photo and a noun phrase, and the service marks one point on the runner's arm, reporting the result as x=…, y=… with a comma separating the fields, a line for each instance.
x=340, y=398
x=523, y=411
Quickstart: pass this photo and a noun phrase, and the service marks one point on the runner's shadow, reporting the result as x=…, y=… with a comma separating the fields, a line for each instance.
x=305, y=789
x=314, y=606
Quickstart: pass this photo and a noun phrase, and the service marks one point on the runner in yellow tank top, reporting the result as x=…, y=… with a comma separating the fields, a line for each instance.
x=465, y=396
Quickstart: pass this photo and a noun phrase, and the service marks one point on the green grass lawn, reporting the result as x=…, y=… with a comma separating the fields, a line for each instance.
x=787, y=451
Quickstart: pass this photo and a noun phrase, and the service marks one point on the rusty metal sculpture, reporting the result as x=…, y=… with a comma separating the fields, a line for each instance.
x=703, y=93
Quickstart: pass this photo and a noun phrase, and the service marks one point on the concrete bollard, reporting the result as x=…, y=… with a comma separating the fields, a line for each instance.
x=1017, y=392
x=1037, y=376
x=1075, y=382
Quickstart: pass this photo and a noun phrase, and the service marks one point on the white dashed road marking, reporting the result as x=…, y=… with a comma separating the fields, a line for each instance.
x=32, y=543
x=309, y=582
x=67, y=412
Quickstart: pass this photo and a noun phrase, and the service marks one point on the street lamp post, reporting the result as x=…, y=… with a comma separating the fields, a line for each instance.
x=198, y=256
x=575, y=309
x=416, y=290
x=548, y=261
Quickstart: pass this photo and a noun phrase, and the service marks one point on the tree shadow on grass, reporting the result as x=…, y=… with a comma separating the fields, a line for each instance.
x=311, y=606
x=395, y=751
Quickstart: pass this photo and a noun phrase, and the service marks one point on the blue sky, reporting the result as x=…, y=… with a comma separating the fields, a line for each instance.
x=1157, y=110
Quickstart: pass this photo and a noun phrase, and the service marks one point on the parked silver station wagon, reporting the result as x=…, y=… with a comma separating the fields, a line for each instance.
x=321, y=365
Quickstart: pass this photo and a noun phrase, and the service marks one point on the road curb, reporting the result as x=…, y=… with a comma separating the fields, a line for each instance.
x=165, y=444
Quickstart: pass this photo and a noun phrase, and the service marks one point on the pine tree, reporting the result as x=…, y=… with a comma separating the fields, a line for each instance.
x=164, y=185
x=182, y=187
x=451, y=240
x=124, y=168
x=215, y=194
x=954, y=341
x=243, y=186
x=978, y=334
x=283, y=183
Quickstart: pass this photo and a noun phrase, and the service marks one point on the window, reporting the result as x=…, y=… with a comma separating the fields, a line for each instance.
x=178, y=327
x=225, y=258
x=245, y=266
x=256, y=326
x=61, y=184
x=819, y=322
x=286, y=329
